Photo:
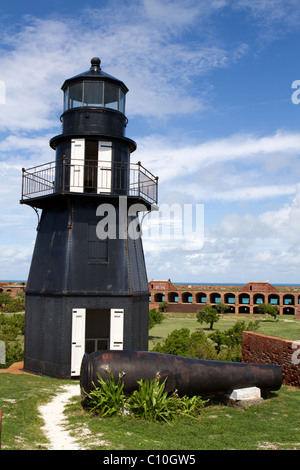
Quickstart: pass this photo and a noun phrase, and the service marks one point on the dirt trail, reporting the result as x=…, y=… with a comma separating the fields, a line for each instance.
x=53, y=415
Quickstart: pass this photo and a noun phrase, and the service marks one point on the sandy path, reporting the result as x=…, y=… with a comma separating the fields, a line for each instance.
x=52, y=414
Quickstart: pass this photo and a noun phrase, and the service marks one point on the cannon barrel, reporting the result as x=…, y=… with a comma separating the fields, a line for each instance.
x=187, y=375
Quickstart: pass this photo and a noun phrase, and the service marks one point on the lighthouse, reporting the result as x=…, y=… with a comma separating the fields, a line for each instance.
x=87, y=288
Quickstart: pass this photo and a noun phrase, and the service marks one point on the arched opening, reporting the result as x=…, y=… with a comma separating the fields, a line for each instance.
x=288, y=299
x=259, y=299
x=187, y=298
x=273, y=299
x=159, y=297
x=244, y=309
x=288, y=311
x=215, y=298
x=244, y=299
x=201, y=298
x=173, y=297
x=229, y=298
x=230, y=309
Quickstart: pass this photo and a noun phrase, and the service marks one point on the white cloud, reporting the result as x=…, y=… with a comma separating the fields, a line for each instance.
x=43, y=52
x=172, y=12
x=273, y=19
x=238, y=248
x=271, y=11
x=15, y=260
x=236, y=168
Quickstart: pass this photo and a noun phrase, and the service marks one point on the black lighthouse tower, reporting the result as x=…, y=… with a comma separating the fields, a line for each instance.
x=87, y=288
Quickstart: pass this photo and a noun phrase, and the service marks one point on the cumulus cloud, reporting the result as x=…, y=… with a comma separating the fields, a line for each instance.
x=236, y=168
x=244, y=247
x=39, y=54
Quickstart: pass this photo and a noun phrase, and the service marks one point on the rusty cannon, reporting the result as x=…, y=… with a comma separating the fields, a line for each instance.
x=188, y=376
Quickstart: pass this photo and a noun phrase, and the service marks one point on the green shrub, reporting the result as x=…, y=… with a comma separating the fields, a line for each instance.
x=14, y=305
x=149, y=401
x=5, y=297
x=219, y=345
x=11, y=326
x=233, y=336
x=182, y=342
x=190, y=406
x=14, y=352
x=155, y=317
x=177, y=342
x=108, y=399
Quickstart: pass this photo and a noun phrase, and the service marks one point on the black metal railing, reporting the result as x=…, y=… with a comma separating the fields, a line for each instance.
x=89, y=176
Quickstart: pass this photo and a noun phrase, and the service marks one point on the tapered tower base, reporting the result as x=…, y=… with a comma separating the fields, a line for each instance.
x=79, y=284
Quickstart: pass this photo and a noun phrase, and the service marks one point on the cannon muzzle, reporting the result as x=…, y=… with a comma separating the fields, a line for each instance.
x=188, y=376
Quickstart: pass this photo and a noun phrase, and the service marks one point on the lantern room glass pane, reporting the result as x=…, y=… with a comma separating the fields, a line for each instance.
x=122, y=102
x=93, y=93
x=66, y=99
x=111, y=96
x=75, y=95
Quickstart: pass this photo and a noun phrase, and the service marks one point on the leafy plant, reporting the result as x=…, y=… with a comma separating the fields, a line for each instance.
x=11, y=326
x=14, y=305
x=233, y=336
x=151, y=402
x=155, y=317
x=14, y=352
x=108, y=399
x=191, y=406
x=182, y=342
x=177, y=342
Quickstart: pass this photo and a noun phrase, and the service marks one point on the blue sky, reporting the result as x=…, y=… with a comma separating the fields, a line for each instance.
x=209, y=106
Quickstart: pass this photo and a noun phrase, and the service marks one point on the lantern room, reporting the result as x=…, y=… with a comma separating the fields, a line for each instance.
x=94, y=101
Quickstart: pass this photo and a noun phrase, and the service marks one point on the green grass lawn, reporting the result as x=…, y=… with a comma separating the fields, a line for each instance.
x=273, y=425
x=286, y=327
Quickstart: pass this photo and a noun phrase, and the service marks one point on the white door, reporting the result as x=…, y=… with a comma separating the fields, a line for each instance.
x=104, y=167
x=116, y=328
x=78, y=339
x=77, y=165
